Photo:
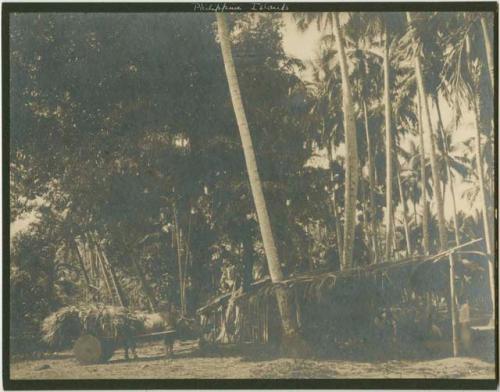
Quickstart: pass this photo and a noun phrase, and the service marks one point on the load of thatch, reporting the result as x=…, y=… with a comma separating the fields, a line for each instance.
x=61, y=329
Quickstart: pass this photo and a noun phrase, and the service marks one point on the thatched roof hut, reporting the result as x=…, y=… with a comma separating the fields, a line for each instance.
x=334, y=304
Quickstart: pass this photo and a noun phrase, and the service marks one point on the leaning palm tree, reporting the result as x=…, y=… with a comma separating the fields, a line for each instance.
x=288, y=319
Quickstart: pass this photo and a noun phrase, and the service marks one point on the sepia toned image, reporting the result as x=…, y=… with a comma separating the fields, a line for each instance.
x=215, y=193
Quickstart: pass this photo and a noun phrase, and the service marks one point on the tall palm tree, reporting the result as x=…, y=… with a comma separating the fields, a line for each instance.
x=448, y=163
x=379, y=30
x=461, y=75
x=324, y=20
x=351, y=175
x=371, y=181
x=365, y=74
x=289, y=321
x=326, y=88
x=388, y=148
x=480, y=173
x=489, y=51
x=405, y=207
x=425, y=206
x=426, y=114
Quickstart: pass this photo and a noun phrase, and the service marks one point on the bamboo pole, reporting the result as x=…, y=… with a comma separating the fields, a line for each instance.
x=178, y=237
x=114, y=280
x=81, y=263
x=187, y=257
x=454, y=322
x=103, y=269
x=147, y=290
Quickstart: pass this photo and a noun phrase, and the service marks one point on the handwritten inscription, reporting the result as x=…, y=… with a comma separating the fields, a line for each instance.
x=216, y=7
x=226, y=7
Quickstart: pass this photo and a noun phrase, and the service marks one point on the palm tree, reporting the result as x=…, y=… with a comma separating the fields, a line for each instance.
x=351, y=175
x=379, y=30
x=425, y=206
x=325, y=90
x=405, y=208
x=489, y=51
x=365, y=75
x=480, y=173
x=448, y=163
x=372, y=183
x=288, y=319
x=461, y=74
x=388, y=148
x=426, y=113
x=324, y=20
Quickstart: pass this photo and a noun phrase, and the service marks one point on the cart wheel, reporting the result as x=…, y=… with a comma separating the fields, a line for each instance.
x=89, y=349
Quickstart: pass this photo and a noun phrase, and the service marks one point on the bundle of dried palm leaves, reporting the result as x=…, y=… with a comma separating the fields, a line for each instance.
x=64, y=326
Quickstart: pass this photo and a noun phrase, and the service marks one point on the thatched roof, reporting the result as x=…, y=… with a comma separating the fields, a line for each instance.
x=329, y=280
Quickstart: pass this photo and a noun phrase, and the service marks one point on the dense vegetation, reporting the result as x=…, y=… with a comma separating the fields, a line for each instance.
x=125, y=148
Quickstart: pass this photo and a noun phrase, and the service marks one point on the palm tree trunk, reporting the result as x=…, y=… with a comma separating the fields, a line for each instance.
x=434, y=166
x=351, y=172
x=484, y=206
x=338, y=228
x=489, y=52
x=289, y=321
x=448, y=169
x=482, y=190
x=405, y=210
x=388, y=152
x=423, y=179
x=371, y=179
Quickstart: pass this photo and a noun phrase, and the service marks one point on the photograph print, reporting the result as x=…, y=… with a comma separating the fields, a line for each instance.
x=210, y=192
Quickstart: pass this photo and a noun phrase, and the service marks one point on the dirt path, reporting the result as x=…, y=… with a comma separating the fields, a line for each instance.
x=187, y=364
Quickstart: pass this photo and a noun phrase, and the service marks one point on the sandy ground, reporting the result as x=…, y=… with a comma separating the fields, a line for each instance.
x=188, y=363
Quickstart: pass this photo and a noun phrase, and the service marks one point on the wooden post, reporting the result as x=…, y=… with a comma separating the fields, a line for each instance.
x=454, y=322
